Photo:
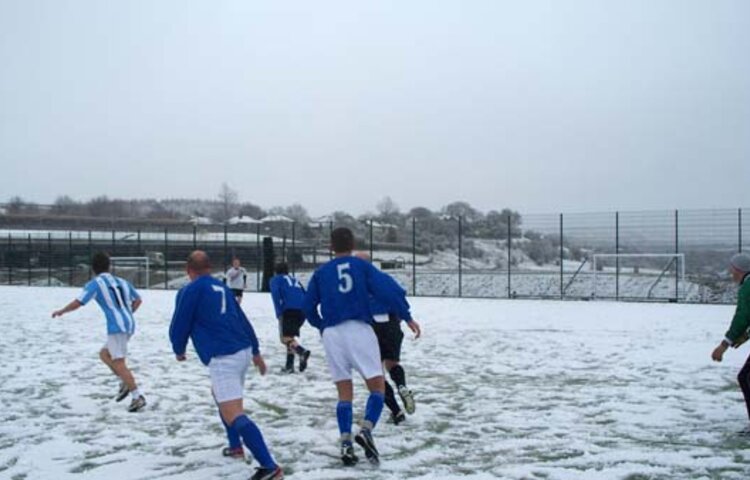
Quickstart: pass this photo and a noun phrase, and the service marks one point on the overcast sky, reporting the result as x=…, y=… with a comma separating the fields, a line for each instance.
x=541, y=106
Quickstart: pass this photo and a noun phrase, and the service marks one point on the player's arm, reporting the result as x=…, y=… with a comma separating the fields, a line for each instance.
x=74, y=305
x=386, y=290
x=311, y=302
x=254, y=344
x=182, y=321
x=89, y=291
x=136, y=304
x=137, y=301
x=276, y=296
x=737, y=333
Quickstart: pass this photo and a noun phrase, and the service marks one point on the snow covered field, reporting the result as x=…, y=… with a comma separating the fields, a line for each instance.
x=505, y=389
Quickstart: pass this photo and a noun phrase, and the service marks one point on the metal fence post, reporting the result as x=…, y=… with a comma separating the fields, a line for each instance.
x=371, y=249
x=330, y=231
x=49, y=259
x=294, y=249
x=617, y=259
x=414, y=256
x=677, y=250
x=562, y=256
x=166, y=258
x=226, y=247
x=114, y=246
x=510, y=246
x=283, y=248
x=28, y=262
x=258, y=259
x=91, y=254
x=70, y=259
x=139, y=246
x=195, y=239
x=460, y=267
x=10, y=259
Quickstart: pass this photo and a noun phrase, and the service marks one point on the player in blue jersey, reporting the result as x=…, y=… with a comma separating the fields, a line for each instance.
x=342, y=289
x=207, y=313
x=119, y=301
x=288, y=295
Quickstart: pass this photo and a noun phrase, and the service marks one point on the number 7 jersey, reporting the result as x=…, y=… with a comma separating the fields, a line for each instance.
x=115, y=296
x=207, y=312
x=342, y=288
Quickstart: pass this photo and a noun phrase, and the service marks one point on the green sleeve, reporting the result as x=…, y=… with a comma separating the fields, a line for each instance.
x=741, y=320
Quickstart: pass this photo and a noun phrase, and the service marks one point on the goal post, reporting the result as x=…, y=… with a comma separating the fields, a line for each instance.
x=140, y=264
x=642, y=273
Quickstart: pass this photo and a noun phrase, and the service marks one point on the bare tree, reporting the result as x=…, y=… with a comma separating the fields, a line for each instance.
x=388, y=211
x=228, y=199
x=16, y=205
x=298, y=213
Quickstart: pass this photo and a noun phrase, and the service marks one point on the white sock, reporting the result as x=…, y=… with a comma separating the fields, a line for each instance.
x=135, y=394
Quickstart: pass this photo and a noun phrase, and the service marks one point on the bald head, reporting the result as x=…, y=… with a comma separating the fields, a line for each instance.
x=198, y=263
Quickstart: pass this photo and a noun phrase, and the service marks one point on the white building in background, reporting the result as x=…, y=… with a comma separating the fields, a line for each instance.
x=243, y=220
x=196, y=220
x=276, y=219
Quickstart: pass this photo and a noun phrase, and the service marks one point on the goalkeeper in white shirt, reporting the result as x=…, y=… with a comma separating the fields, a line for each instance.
x=236, y=279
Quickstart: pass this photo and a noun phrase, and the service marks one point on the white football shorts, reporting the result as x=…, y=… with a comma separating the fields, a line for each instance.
x=352, y=345
x=227, y=374
x=117, y=345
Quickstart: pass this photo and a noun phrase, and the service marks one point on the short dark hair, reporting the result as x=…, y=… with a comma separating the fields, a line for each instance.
x=282, y=268
x=342, y=240
x=100, y=262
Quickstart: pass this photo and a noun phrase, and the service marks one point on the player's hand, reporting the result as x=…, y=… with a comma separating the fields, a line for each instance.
x=718, y=353
x=414, y=327
x=57, y=313
x=260, y=364
x=181, y=358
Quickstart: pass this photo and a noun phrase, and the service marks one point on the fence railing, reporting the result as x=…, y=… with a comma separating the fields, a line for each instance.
x=678, y=256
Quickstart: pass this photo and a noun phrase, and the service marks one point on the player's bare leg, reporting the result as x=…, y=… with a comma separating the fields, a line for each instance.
x=106, y=358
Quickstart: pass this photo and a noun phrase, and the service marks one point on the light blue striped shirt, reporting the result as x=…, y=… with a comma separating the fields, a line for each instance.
x=115, y=296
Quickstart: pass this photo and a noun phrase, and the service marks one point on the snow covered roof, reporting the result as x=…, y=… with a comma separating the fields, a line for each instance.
x=275, y=218
x=200, y=220
x=242, y=220
x=383, y=225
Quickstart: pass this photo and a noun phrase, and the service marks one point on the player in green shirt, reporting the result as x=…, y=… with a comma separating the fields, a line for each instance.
x=738, y=330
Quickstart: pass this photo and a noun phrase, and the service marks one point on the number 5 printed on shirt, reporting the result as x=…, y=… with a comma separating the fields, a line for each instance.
x=345, y=278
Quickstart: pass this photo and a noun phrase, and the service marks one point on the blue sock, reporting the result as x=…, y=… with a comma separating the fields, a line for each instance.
x=232, y=435
x=344, y=415
x=374, y=407
x=250, y=433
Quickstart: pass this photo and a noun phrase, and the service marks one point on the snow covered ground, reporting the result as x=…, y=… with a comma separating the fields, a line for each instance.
x=505, y=389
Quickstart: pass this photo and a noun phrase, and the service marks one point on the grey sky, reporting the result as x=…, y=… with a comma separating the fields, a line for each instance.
x=541, y=106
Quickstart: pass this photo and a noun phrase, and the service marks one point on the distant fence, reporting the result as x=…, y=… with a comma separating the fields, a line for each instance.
x=676, y=256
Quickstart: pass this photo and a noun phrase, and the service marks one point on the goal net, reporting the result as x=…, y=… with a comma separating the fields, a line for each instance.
x=648, y=276
x=134, y=269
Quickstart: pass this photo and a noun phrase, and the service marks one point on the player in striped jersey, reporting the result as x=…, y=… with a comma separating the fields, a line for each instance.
x=119, y=301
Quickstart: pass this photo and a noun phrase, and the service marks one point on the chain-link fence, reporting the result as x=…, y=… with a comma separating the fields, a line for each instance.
x=657, y=256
